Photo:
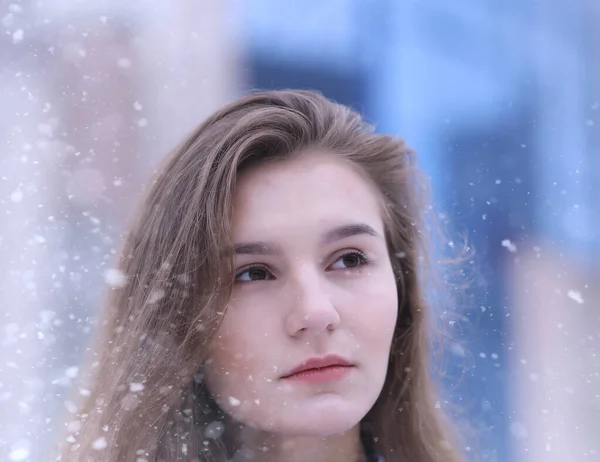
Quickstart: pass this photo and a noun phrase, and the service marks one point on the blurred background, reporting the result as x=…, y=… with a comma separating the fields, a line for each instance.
x=500, y=99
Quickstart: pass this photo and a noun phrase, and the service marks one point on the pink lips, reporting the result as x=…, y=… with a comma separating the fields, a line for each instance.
x=325, y=369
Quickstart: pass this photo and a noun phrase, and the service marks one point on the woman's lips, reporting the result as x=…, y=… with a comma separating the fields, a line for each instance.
x=322, y=374
x=324, y=369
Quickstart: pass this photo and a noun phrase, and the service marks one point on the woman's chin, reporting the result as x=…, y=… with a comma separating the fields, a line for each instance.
x=323, y=429
x=320, y=424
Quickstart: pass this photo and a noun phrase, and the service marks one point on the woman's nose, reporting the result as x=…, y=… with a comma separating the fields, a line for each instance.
x=311, y=310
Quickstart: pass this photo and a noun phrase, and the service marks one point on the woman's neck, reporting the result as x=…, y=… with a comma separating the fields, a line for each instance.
x=345, y=447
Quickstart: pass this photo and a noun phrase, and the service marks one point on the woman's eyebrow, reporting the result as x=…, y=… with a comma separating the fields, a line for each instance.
x=344, y=231
x=335, y=234
x=257, y=248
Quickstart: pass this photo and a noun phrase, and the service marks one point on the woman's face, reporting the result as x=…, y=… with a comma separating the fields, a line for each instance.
x=313, y=281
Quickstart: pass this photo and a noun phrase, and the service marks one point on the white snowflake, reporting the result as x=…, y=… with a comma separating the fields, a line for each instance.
x=124, y=63
x=74, y=426
x=17, y=454
x=72, y=372
x=509, y=245
x=518, y=430
x=99, y=444
x=115, y=278
x=136, y=386
x=71, y=407
x=16, y=196
x=156, y=295
x=575, y=296
x=17, y=36
x=214, y=430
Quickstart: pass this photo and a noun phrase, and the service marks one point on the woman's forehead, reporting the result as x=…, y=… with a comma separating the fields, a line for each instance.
x=306, y=194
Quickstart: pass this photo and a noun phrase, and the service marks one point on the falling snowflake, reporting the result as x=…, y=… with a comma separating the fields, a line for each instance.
x=234, y=401
x=575, y=296
x=19, y=451
x=156, y=295
x=74, y=426
x=16, y=196
x=71, y=407
x=136, y=386
x=99, y=444
x=509, y=245
x=19, y=454
x=214, y=430
x=17, y=36
x=115, y=278
x=72, y=372
x=518, y=430
x=124, y=63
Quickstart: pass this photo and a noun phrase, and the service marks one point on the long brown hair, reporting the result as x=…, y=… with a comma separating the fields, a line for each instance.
x=145, y=400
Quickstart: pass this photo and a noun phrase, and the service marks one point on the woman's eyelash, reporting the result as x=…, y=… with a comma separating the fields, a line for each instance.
x=363, y=260
x=251, y=268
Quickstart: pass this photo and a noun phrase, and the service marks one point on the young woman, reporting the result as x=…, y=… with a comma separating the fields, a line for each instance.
x=272, y=305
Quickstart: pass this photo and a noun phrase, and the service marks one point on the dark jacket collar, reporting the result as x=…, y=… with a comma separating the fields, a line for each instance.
x=368, y=443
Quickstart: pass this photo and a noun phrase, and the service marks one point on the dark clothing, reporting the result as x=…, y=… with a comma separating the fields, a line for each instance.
x=369, y=446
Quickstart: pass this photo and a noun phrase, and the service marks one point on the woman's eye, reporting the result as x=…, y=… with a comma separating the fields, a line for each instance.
x=350, y=260
x=254, y=273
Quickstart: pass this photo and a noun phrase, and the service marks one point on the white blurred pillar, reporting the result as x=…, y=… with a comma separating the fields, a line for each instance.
x=556, y=358
x=28, y=240
x=115, y=88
